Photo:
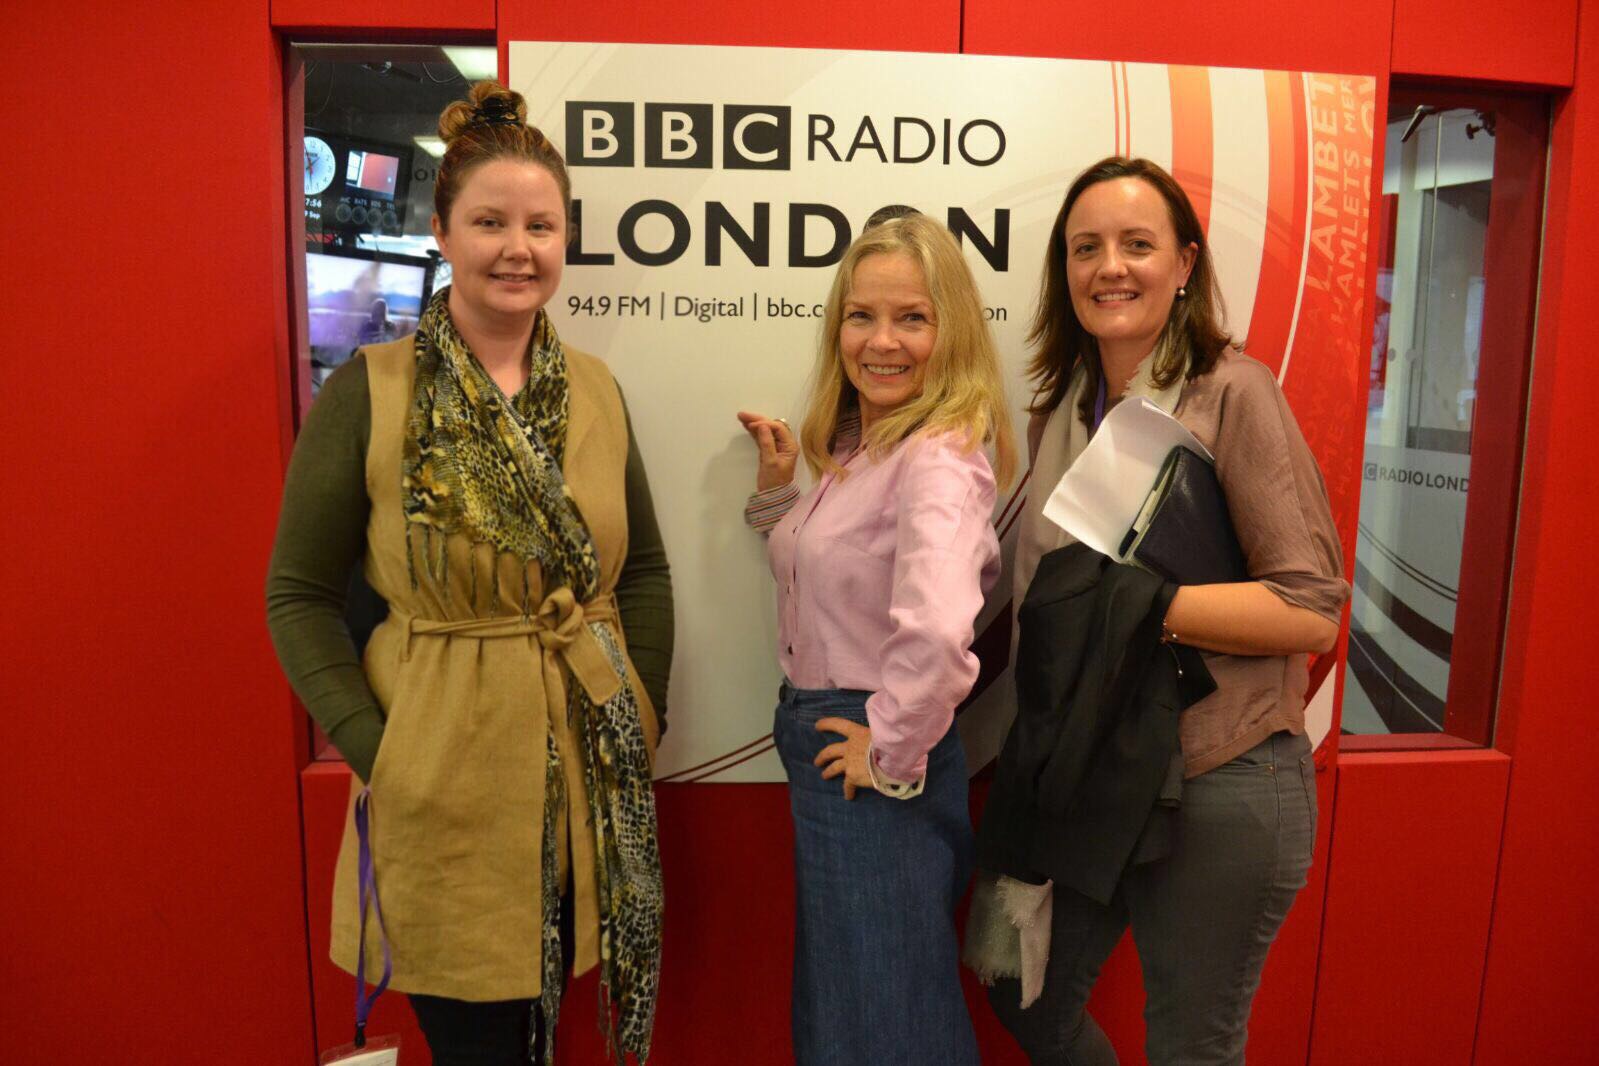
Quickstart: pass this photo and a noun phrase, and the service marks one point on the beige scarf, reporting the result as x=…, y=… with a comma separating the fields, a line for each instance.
x=1065, y=437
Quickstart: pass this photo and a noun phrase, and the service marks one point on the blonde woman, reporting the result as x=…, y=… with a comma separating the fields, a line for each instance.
x=881, y=569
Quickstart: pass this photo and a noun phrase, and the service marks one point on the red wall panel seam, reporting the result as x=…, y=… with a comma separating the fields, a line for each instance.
x=1321, y=925
x=1493, y=911
x=305, y=908
x=285, y=312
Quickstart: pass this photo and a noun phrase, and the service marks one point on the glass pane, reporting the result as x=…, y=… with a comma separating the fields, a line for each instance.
x=1437, y=188
x=369, y=157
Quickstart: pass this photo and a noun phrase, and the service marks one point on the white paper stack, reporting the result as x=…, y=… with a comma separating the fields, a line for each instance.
x=1099, y=498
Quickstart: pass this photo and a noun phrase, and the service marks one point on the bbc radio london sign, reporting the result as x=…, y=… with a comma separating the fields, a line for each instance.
x=716, y=188
x=757, y=137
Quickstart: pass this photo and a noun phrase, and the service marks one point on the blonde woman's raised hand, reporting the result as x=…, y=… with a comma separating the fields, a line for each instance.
x=778, y=449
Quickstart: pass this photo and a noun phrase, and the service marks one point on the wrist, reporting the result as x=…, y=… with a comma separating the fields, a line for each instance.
x=1172, y=622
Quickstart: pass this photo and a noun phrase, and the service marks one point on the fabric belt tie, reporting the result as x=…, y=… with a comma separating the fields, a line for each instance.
x=560, y=626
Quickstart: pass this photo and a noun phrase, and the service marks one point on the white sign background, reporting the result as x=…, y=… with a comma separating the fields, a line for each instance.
x=684, y=379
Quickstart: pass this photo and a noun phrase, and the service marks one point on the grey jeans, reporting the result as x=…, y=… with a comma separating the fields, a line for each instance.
x=1203, y=919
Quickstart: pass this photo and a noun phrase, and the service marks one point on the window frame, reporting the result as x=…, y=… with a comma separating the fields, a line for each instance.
x=1512, y=260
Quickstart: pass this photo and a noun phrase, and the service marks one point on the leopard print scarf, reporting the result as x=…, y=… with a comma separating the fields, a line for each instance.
x=488, y=468
x=480, y=466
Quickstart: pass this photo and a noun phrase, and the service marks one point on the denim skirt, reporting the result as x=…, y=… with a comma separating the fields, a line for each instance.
x=876, y=962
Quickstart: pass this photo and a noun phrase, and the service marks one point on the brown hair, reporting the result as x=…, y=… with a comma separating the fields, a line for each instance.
x=963, y=390
x=1193, y=329
x=491, y=123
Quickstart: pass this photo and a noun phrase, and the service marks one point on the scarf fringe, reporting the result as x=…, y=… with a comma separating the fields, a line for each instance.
x=606, y=1011
x=410, y=556
x=472, y=565
x=436, y=564
x=444, y=563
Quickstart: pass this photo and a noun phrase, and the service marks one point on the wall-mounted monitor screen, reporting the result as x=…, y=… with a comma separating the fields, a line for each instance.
x=373, y=173
x=354, y=300
x=353, y=186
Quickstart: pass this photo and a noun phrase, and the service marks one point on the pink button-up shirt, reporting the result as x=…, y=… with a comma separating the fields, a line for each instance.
x=880, y=576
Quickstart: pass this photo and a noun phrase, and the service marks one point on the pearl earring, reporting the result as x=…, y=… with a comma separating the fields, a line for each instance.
x=1181, y=292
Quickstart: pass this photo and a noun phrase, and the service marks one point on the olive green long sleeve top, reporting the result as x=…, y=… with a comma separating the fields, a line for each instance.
x=322, y=537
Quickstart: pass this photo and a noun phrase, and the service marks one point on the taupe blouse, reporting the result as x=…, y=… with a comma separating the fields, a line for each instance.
x=1279, y=507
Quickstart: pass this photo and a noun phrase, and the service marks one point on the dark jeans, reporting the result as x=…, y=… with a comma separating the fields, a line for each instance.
x=876, y=973
x=475, y=1034
x=498, y=1033
x=1203, y=919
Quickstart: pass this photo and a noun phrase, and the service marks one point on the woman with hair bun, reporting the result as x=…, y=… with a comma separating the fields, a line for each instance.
x=501, y=725
x=881, y=570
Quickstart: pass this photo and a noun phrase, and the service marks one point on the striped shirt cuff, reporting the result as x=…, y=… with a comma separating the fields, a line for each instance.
x=892, y=787
x=766, y=508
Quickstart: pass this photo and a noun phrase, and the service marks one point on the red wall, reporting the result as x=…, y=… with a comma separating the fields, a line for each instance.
x=1402, y=938
x=1540, y=999
x=312, y=19
x=1486, y=40
x=155, y=895
x=1351, y=38
x=151, y=901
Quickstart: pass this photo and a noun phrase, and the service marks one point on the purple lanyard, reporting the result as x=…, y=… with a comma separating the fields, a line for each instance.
x=368, y=884
x=1099, y=402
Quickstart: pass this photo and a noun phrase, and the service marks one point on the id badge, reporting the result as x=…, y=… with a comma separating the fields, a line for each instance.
x=377, y=1051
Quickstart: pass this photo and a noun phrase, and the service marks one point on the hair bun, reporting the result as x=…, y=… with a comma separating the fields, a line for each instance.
x=490, y=124
x=488, y=104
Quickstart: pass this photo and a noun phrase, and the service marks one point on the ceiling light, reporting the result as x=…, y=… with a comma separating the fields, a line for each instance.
x=431, y=145
x=475, y=64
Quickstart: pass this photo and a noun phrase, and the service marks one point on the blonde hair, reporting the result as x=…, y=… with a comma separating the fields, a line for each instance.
x=962, y=390
x=491, y=123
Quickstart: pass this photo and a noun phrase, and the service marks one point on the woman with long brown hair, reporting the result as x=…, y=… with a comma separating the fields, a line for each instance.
x=1130, y=307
